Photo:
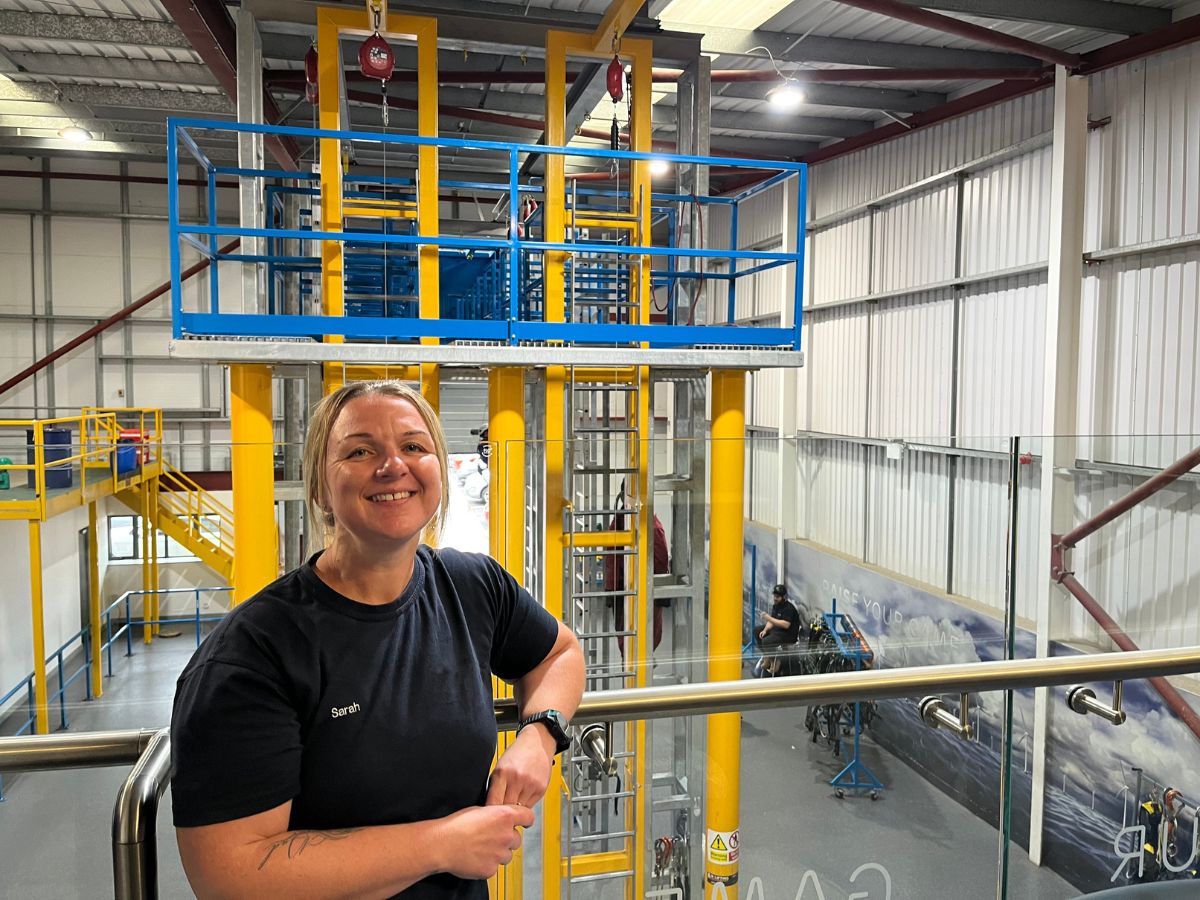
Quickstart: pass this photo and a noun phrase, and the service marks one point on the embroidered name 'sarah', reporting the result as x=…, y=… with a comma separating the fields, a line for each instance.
x=339, y=711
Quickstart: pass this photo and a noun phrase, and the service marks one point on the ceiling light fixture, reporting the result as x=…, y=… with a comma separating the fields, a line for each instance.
x=659, y=167
x=75, y=135
x=786, y=96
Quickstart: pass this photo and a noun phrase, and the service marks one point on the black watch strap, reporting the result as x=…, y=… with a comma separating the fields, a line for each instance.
x=554, y=722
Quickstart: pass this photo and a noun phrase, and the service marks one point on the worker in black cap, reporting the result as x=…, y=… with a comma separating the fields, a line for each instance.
x=781, y=629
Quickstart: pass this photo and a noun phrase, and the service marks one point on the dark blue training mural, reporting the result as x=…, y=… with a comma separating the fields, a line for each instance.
x=1090, y=777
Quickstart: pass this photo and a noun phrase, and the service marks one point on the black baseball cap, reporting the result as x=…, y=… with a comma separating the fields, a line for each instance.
x=779, y=590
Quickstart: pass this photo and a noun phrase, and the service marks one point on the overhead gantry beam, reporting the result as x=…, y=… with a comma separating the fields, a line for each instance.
x=1100, y=15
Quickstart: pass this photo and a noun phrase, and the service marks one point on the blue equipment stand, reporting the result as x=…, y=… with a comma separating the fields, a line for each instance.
x=856, y=775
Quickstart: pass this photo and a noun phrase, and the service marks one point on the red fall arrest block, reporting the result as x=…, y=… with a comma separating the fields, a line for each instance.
x=376, y=60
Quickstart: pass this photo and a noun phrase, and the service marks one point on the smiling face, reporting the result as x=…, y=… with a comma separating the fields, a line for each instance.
x=382, y=477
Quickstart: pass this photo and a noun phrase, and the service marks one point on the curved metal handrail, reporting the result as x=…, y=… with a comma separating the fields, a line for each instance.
x=134, y=844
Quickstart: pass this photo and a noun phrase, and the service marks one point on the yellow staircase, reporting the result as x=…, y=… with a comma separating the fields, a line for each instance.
x=190, y=515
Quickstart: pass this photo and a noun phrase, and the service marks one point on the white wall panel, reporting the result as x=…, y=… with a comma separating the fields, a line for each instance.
x=764, y=499
x=1006, y=214
x=1140, y=364
x=914, y=241
x=1001, y=347
x=764, y=387
x=840, y=258
x=1142, y=568
x=836, y=370
x=1149, y=154
x=74, y=373
x=20, y=192
x=761, y=218
x=981, y=516
x=86, y=195
x=830, y=473
x=907, y=514
x=878, y=170
x=911, y=367
x=86, y=265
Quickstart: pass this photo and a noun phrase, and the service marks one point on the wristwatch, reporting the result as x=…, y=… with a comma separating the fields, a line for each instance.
x=556, y=724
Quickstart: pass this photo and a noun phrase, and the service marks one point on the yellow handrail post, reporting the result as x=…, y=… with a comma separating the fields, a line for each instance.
x=94, y=601
x=152, y=502
x=254, y=534
x=42, y=712
x=147, y=596
x=722, y=789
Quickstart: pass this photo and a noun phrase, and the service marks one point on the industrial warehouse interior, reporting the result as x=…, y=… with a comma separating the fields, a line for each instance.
x=828, y=368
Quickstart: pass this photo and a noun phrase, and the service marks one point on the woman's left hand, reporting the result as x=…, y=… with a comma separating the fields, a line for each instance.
x=523, y=772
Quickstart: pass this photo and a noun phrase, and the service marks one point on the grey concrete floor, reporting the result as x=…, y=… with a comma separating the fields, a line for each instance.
x=930, y=846
x=55, y=827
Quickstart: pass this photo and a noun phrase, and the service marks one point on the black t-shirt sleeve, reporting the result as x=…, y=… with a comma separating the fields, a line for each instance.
x=235, y=744
x=523, y=632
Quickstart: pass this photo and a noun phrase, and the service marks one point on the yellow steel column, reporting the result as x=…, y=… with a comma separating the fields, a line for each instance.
x=42, y=712
x=554, y=294
x=147, y=545
x=94, y=601
x=254, y=534
x=639, y=141
x=428, y=267
x=506, y=534
x=329, y=90
x=722, y=787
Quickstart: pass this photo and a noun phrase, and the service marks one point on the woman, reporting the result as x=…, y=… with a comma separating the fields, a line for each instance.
x=332, y=736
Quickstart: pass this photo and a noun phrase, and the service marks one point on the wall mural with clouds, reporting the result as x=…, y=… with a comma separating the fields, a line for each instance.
x=1090, y=766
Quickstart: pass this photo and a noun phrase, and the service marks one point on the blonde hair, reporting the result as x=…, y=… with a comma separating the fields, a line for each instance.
x=316, y=447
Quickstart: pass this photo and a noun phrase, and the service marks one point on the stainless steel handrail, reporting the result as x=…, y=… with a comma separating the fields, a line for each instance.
x=134, y=846
x=870, y=684
x=135, y=822
x=79, y=750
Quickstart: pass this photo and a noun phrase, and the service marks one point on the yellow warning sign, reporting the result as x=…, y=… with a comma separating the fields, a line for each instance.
x=722, y=847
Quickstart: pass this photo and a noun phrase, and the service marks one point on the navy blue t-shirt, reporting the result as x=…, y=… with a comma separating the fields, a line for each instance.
x=359, y=714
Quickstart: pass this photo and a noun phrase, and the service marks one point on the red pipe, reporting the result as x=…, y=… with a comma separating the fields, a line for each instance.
x=1173, y=698
x=1143, y=491
x=959, y=28
x=110, y=321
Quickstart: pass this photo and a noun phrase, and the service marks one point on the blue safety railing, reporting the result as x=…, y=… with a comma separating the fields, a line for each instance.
x=474, y=317
x=57, y=661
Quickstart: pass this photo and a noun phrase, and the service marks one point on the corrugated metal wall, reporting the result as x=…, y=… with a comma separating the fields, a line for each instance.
x=970, y=360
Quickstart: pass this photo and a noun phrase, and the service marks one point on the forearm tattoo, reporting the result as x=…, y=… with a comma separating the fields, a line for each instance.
x=299, y=841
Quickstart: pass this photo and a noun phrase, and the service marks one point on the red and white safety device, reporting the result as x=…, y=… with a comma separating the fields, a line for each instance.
x=310, y=75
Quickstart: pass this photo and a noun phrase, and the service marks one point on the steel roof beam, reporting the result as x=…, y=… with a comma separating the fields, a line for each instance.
x=989, y=37
x=847, y=97
x=797, y=48
x=790, y=126
x=91, y=30
x=210, y=30
x=192, y=102
x=1099, y=15
x=113, y=68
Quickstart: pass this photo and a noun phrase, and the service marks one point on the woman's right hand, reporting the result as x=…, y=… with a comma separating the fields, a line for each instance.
x=481, y=839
